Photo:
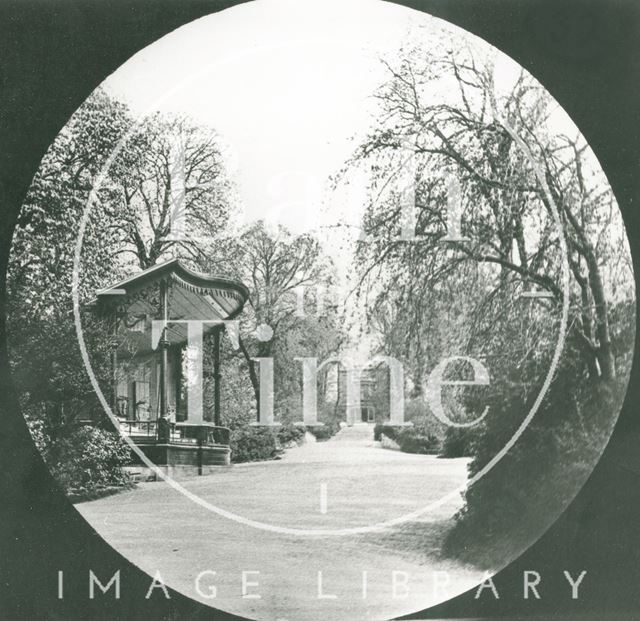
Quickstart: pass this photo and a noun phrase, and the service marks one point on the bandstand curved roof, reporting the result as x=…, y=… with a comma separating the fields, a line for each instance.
x=191, y=296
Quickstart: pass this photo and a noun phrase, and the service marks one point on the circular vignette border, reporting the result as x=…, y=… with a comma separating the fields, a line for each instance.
x=283, y=530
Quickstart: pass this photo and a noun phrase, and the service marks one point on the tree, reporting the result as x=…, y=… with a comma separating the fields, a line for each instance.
x=277, y=267
x=135, y=179
x=167, y=192
x=507, y=213
x=49, y=372
x=447, y=111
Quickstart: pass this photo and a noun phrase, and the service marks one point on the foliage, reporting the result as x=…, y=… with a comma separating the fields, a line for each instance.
x=377, y=432
x=447, y=109
x=88, y=459
x=276, y=265
x=324, y=432
x=238, y=407
x=38, y=434
x=518, y=498
x=289, y=435
x=417, y=412
x=48, y=371
x=414, y=439
x=54, y=390
x=166, y=194
x=506, y=208
x=253, y=444
x=127, y=229
x=331, y=418
x=552, y=458
x=44, y=241
x=457, y=442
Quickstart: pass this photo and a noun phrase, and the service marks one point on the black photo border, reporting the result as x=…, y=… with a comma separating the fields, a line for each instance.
x=53, y=53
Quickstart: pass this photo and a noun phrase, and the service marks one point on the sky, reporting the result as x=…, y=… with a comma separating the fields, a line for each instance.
x=286, y=83
x=287, y=86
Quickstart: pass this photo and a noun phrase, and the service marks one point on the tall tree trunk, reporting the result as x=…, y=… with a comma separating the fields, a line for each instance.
x=586, y=318
x=587, y=327
x=253, y=376
x=602, y=331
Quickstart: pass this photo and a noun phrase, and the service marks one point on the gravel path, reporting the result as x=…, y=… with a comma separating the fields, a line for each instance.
x=344, y=483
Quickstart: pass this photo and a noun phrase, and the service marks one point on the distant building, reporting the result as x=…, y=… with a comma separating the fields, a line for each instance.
x=374, y=393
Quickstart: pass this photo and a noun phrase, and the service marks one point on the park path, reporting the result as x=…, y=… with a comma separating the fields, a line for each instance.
x=158, y=529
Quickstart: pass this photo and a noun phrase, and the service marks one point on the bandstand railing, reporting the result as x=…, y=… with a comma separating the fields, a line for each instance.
x=146, y=432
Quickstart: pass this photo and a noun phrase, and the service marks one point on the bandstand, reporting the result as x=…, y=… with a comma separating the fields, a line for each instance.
x=158, y=402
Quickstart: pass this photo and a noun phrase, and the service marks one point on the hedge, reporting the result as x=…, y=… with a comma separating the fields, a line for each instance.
x=324, y=432
x=409, y=439
x=290, y=435
x=253, y=443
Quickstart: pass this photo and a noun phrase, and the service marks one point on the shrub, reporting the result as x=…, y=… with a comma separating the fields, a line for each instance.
x=457, y=442
x=324, y=432
x=253, y=444
x=289, y=434
x=88, y=461
x=417, y=439
x=391, y=431
x=541, y=472
x=39, y=435
x=416, y=411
